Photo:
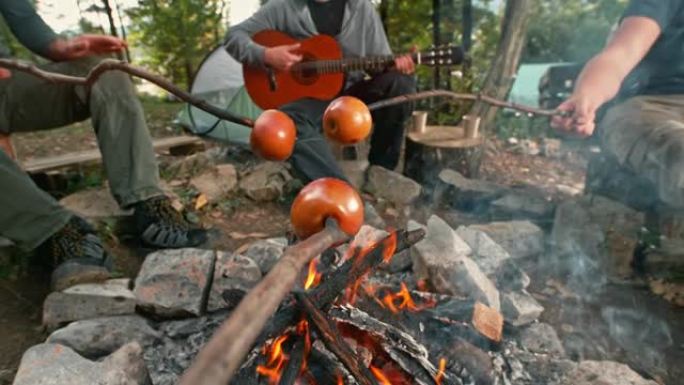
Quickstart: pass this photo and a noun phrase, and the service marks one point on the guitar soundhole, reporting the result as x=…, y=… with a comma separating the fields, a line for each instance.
x=305, y=73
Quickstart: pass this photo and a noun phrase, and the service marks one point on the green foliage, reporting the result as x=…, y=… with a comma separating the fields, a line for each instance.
x=177, y=34
x=409, y=23
x=570, y=30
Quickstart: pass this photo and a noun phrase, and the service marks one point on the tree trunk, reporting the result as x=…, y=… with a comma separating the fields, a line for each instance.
x=436, y=37
x=112, y=25
x=502, y=72
x=123, y=31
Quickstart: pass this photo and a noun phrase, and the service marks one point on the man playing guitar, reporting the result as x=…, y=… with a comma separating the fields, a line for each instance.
x=357, y=28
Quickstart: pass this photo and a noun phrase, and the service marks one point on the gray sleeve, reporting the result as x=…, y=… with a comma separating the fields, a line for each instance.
x=239, y=42
x=27, y=26
x=377, y=39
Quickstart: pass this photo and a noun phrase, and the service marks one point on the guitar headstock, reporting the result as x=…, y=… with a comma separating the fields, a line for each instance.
x=445, y=55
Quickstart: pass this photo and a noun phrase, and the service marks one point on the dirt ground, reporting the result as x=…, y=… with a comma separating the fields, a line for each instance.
x=236, y=224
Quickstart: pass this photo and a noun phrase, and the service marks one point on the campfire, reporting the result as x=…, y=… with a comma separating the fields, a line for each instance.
x=340, y=326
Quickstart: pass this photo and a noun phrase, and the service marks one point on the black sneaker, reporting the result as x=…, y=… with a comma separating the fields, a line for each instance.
x=160, y=225
x=78, y=254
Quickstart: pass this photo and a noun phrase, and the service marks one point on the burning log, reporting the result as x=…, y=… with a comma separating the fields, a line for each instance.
x=294, y=364
x=222, y=356
x=346, y=276
x=400, y=346
x=333, y=341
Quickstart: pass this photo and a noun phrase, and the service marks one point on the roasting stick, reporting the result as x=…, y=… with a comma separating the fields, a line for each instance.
x=460, y=96
x=117, y=65
x=218, y=360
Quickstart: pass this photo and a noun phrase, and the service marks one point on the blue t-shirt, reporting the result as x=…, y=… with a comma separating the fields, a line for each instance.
x=662, y=70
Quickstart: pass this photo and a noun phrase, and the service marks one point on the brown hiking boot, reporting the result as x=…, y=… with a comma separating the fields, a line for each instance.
x=78, y=254
x=160, y=225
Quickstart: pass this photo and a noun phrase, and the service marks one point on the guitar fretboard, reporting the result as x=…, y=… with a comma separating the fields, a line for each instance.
x=345, y=65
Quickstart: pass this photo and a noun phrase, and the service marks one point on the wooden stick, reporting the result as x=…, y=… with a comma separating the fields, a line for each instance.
x=328, y=332
x=117, y=65
x=460, y=96
x=216, y=363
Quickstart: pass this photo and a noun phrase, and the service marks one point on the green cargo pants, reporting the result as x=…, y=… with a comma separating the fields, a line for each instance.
x=28, y=216
x=646, y=134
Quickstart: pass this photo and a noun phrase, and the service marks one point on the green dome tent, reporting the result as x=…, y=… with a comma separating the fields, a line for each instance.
x=219, y=81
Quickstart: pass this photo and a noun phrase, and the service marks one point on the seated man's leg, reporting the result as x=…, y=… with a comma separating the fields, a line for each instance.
x=646, y=133
x=33, y=219
x=128, y=154
x=312, y=157
x=388, y=123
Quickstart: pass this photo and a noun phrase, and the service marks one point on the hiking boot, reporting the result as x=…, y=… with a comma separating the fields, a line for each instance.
x=161, y=226
x=78, y=254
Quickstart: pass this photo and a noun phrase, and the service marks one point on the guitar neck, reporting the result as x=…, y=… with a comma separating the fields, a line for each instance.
x=349, y=64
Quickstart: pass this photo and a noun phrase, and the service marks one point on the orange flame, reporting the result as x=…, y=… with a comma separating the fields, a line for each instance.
x=339, y=379
x=440, y=374
x=303, y=330
x=380, y=376
x=276, y=361
x=390, y=244
x=404, y=298
x=314, y=277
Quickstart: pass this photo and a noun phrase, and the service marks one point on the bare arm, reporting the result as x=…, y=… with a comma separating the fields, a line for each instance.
x=601, y=78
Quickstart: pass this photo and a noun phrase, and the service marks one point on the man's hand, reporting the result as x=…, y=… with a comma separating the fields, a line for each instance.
x=405, y=64
x=581, y=111
x=283, y=57
x=5, y=73
x=84, y=45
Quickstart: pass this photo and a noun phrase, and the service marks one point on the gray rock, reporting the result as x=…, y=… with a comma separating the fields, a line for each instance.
x=266, y=252
x=442, y=259
x=53, y=364
x=509, y=277
x=174, y=283
x=604, y=373
x=102, y=336
x=265, y=182
x=541, y=338
x=216, y=182
x=232, y=272
x=486, y=253
x=468, y=194
x=355, y=171
x=392, y=186
x=520, y=239
x=88, y=301
x=520, y=308
x=187, y=166
x=522, y=205
x=94, y=204
x=602, y=229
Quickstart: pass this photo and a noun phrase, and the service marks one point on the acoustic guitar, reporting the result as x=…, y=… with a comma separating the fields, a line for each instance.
x=320, y=74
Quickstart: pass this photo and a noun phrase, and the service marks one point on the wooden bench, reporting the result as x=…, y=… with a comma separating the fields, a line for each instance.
x=174, y=144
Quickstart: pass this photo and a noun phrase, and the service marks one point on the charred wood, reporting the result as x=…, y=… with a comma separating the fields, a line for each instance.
x=331, y=337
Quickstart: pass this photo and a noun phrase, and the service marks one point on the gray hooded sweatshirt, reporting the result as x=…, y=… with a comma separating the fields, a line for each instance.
x=362, y=32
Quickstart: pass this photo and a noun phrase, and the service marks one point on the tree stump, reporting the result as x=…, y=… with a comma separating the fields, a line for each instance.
x=440, y=147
